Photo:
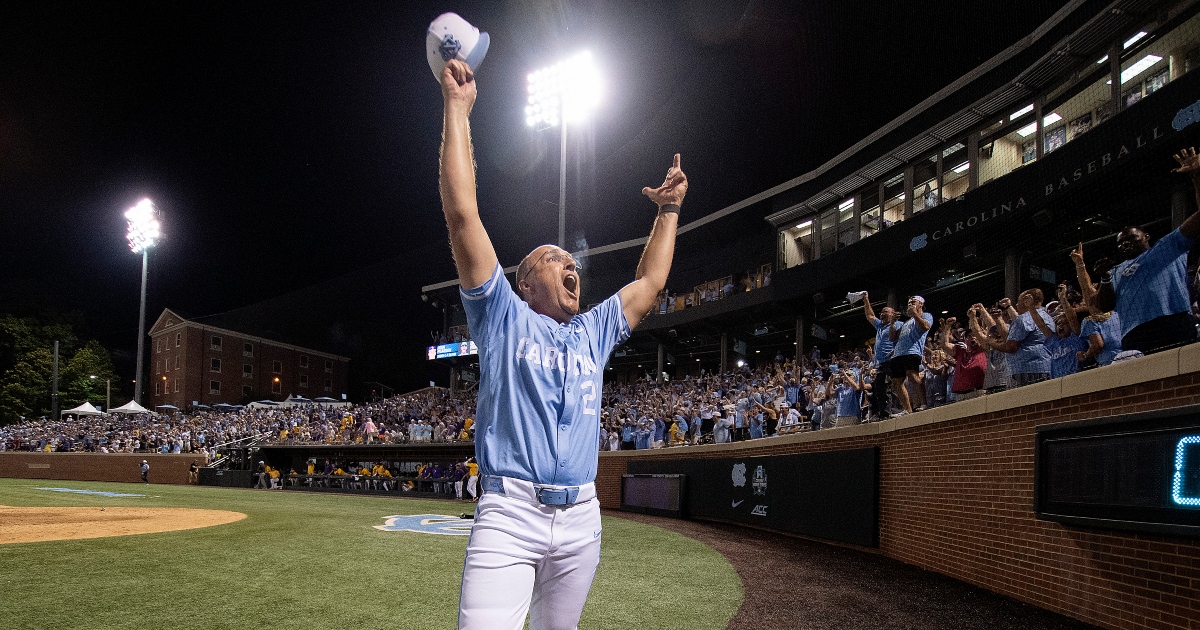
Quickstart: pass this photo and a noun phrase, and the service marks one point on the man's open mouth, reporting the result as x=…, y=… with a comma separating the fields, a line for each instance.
x=571, y=283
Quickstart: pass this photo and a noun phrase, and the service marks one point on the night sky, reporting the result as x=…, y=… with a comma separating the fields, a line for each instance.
x=295, y=144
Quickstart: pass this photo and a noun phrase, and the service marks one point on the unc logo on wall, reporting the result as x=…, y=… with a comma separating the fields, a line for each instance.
x=918, y=242
x=739, y=475
x=427, y=524
x=1186, y=116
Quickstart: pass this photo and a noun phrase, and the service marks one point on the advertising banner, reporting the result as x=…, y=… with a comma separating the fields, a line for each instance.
x=832, y=495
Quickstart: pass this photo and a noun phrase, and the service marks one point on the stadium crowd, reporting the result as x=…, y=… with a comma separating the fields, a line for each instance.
x=1146, y=302
x=426, y=416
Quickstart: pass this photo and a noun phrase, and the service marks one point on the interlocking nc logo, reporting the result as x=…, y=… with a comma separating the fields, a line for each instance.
x=427, y=524
x=1186, y=116
x=918, y=242
x=449, y=47
x=739, y=475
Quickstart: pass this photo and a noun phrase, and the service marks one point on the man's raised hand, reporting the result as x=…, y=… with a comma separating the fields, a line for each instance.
x=673, y=188
x=1189, y=162
x=458, y=85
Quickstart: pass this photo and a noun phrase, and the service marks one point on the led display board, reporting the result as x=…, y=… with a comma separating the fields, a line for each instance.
x=451, y=350
x=1136, y=472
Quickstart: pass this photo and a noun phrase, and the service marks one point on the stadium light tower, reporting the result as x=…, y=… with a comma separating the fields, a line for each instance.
x=566, y=92
x=144, y=230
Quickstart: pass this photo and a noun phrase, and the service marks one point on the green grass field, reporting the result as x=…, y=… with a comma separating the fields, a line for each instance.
x=316, y=561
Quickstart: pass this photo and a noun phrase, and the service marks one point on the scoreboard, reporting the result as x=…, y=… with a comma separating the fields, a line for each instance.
x=1137, y=472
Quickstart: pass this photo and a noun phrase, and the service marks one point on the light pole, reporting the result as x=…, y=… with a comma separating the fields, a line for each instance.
x=144, y=229
x=107, y=392
x=566, y=91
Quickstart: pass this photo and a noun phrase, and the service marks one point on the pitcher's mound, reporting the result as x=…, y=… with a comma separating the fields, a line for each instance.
x=37, y=524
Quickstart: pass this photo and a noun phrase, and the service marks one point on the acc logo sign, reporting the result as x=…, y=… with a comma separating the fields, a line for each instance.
x=427, y=524
x=739, y=475
x=918, y=242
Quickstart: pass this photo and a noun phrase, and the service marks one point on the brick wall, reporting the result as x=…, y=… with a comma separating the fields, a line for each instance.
x=172, y=469
x=956, y=497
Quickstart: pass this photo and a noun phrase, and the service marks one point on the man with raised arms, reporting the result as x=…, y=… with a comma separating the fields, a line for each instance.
x=535, y=543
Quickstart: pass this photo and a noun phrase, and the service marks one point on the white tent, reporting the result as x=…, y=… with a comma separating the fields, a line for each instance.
x=86, y=409
x=130, y=407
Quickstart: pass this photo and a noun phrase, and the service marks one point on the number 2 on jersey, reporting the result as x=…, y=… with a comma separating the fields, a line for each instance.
x=590, y=388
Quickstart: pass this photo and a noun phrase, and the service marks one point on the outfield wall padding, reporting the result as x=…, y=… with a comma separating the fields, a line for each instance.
x=956, y=495
x=172, y=469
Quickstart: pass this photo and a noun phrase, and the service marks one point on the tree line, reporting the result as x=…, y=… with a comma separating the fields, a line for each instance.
x=27, y=363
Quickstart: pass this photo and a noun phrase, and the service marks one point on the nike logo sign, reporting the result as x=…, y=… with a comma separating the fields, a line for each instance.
x=596, y=535
x=737, y=503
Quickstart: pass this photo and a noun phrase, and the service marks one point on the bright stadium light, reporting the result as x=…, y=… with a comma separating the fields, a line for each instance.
x=144, y=232
x=144, y=228
x=566, y=92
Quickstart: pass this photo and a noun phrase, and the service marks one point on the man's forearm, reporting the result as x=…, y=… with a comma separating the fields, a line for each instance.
x=456, y=179
x=655, y=264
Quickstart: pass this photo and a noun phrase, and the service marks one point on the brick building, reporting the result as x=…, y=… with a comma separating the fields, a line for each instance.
x=194, y=361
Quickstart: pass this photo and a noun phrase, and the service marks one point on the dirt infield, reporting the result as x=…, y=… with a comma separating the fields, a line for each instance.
x=38, y=524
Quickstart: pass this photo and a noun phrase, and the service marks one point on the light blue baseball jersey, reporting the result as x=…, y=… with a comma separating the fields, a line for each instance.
x=1154, y=284
x=538, y=409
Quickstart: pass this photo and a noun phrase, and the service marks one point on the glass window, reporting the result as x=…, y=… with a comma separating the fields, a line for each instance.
x=247, y=370
x=214, y=387
x=893, y=204
x=247, y=390
x=828, y=232
x=277, y=367
x=328, y=366
x=216, y=343
x=303, y=380
x=955, y=170
x=276, y=386
x=925, y=184
x=797, y=244
x=177, y=384
x=328, y=385
x=846, y=224
x=870, y=217
x=215, y=366
x=1015, y=146
x=304, y=360
x=248, y=349
x=178, y=339
x=177, y=362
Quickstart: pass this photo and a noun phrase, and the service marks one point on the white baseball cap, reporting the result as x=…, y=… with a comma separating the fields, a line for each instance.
x=451, y=37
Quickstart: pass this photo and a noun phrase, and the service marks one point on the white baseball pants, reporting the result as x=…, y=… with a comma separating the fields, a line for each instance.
x=526, y=558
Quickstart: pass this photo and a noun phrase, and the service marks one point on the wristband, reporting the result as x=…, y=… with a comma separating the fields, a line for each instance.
x=669, y=208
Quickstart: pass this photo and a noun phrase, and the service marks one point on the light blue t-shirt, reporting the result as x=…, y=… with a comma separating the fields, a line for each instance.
x=1110, y=331
x=912, y=338
x=1154, y=284
x=849, y=400
x=540, y=382
x=883, y=340
x=1062, y=351
x=1031, y=356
